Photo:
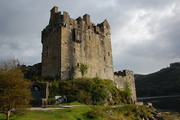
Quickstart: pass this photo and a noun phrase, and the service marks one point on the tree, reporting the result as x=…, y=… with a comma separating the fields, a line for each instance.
x=83, y=68
x=127, y=92
x=14, y=89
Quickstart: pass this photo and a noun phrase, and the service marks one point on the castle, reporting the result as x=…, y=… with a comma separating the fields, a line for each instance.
x=69, y=42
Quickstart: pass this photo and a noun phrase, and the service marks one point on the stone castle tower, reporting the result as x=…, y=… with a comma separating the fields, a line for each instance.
x=68, y=42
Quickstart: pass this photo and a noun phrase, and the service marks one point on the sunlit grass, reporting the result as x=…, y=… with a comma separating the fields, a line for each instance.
x=86, y=112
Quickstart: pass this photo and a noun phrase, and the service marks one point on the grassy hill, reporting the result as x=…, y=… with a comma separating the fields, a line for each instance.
x=88, y=112
x=161, y=83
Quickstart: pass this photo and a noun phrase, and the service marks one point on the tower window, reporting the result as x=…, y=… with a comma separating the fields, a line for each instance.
x=77, y=64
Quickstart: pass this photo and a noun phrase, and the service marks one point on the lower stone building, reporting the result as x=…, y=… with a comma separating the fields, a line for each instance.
x=120, y=79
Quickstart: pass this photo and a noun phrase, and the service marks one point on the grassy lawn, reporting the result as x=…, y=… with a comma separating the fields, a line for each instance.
x=86, y=112
x=75, y=113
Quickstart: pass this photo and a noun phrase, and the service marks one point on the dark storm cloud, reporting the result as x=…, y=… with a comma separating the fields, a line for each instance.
x=20, y=31
x=145, y=34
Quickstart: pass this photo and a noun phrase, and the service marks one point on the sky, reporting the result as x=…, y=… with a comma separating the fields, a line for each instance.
x=145, y=34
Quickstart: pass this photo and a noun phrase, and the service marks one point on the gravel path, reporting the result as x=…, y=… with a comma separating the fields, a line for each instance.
x=61, y=107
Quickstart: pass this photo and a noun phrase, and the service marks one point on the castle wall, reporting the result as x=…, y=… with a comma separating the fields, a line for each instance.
x=121, y=77
x=50, y=57
x=68, y=42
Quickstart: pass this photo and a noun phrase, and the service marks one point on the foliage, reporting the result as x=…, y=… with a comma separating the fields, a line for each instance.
x=127, y=92
x=53, y=89
x=84, y=90
x=94, y=91
x=85, y=112
x=32, y=72
x=83, y=68
x=97, y=113
x=170, y=115
x=134, y=112
x=164, y=82
x=14, y=89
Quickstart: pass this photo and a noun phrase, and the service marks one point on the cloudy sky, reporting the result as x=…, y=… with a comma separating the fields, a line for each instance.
x=145, y=33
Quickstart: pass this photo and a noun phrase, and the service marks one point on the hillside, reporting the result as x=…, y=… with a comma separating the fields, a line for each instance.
x=161, y=83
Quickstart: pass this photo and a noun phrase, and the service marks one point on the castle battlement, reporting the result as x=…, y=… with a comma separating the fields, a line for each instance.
x=124, y=73
x=63, y=19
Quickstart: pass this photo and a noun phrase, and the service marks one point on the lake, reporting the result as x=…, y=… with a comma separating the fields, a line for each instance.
x=163, y=103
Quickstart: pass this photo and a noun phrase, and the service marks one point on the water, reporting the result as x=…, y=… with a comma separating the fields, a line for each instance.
x=163, y=103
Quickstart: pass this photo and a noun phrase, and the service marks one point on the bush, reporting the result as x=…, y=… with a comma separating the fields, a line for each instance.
x=84, y=90
x=88, y=91
x=96, y=112
x=99, y=95
x=84, y=97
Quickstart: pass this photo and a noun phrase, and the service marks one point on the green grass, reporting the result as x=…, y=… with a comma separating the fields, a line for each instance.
x=75, y=113
x=74, y=103
x=86, y=112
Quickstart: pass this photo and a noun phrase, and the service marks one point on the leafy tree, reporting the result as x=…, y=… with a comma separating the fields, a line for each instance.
x=83, y=68
x=14, y=89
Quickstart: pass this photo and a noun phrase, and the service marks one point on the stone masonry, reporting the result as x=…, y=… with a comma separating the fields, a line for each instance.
x=121, y=77
x=68, y=42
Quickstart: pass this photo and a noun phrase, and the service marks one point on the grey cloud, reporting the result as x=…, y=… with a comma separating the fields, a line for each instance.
x=22, y=21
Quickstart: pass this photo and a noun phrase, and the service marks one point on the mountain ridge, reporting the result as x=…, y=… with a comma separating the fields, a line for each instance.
x=163, y=82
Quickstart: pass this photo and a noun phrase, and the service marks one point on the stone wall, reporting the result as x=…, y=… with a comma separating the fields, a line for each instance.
x=121, y=77
x=31, y=71
x=68, y=42
x=39, y=93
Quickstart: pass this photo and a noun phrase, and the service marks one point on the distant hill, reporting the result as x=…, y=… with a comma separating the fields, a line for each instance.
x=161, y=83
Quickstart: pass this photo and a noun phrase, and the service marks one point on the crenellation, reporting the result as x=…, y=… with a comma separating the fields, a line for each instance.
x=54, y=10
x=53, y=16
x=65, y=17
x=87, y=20
x=64, y=20
x=58, y=19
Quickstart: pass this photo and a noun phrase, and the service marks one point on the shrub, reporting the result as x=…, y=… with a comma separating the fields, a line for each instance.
x=88, y=91
x=83, y=68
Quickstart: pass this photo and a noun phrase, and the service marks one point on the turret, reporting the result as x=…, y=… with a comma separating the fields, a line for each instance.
x=65, y=17
x=53, y=11
x=104, y=27
x=87, y=20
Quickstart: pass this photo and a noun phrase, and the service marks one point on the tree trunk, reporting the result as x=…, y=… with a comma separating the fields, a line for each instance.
x=8, y=114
